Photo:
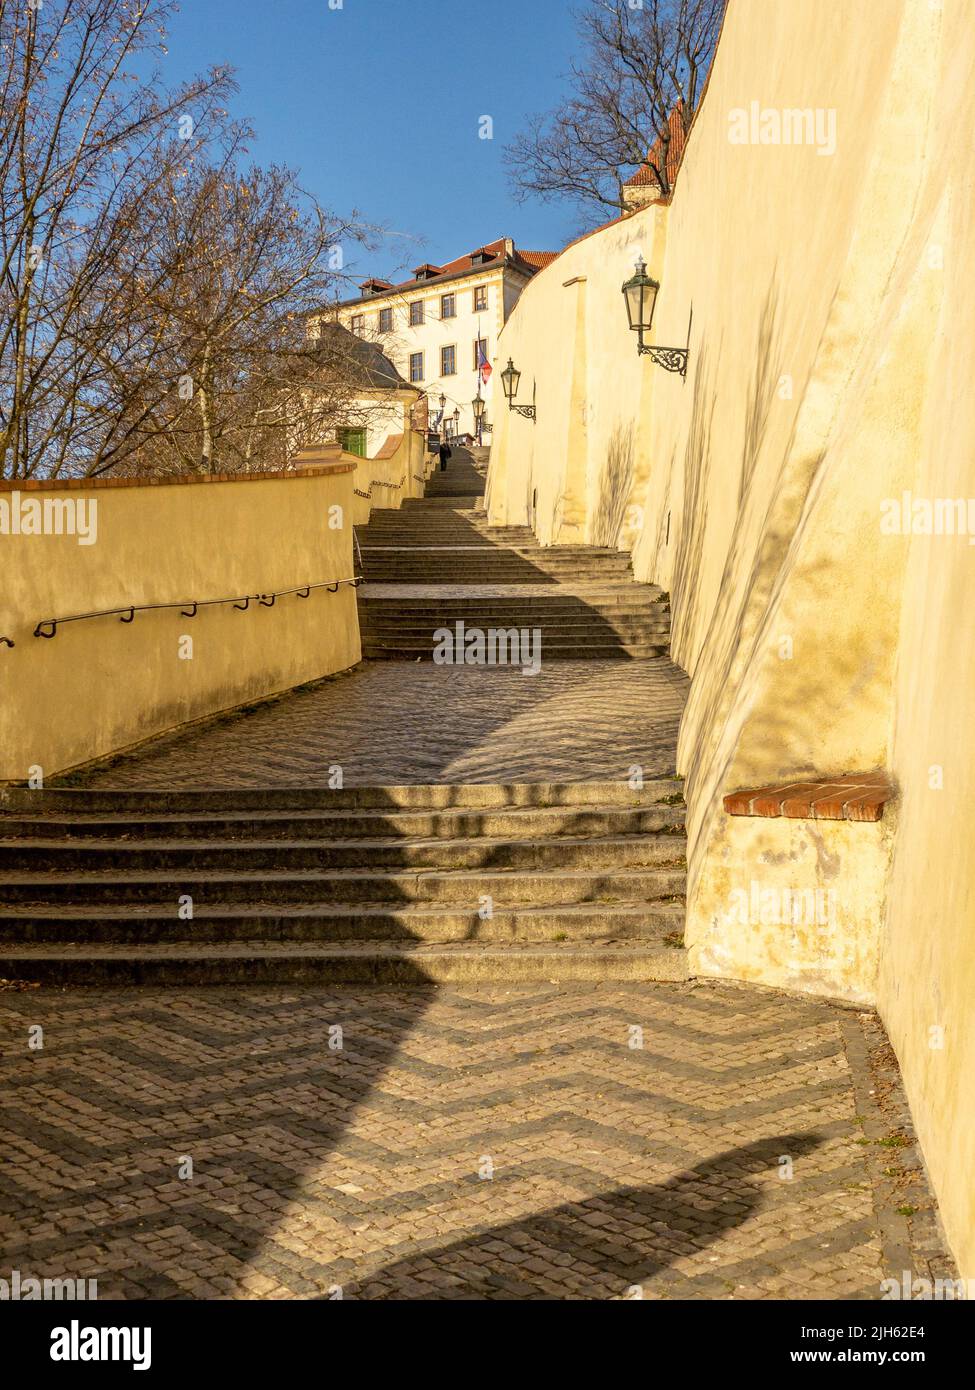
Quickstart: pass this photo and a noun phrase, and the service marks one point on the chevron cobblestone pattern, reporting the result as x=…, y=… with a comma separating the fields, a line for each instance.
x=487, y=1143
x=394, y=723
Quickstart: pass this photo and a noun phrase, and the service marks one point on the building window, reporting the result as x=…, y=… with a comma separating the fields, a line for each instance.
x=358, y=324
x=448, y=306
x=385, y=320
x=448, y=361
x=480, y=353
x=353, y=442
x=416, y=313
x=416, y=366
x=480, y=299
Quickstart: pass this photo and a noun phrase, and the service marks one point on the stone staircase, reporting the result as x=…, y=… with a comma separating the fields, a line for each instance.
x=445, y=883
x=428, y=567
x=422, y=884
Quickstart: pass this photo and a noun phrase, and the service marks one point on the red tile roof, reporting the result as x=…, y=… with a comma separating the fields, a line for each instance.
x=645, y=176
x=493, y=253
x=492, y=250
x=538, y=259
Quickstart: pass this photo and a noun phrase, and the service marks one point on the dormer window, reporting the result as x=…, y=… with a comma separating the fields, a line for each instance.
x=481, y=257
x=374, y=287
x=426, y=272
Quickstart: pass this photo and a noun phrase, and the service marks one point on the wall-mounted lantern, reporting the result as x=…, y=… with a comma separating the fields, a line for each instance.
x=511, y=380
x=640, y=294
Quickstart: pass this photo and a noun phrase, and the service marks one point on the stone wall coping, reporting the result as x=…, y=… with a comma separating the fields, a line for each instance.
x=391, y=446
x=855, y=796
x=313, y=470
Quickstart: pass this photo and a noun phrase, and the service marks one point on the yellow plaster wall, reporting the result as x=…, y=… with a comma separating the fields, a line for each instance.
x=831, y=352
x=391, y=476
x=103, y=685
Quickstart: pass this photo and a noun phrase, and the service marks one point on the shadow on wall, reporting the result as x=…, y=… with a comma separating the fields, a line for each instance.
x=615, y=487
x=762, y=390
x=689, y=622
x=614, y=1241
x=686, y=590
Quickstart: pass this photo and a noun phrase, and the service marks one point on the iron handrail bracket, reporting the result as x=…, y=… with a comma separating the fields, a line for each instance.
x=48, y=627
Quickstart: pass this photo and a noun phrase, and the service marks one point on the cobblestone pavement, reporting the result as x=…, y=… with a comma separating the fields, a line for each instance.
x=393, y=723
x=493, y=1143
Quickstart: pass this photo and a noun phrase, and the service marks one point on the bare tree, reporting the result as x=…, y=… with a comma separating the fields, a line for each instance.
x=88, y=134
x=241, y=259
x=154, y=290
x=640, y=64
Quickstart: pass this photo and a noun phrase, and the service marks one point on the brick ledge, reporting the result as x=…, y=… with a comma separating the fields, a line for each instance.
x=856, y=796
x=347, y=464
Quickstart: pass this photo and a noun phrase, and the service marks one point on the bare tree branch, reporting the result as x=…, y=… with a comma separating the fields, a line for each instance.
x=640, y=65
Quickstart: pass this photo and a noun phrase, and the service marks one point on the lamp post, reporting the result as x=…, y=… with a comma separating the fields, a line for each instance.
x=477, y=405
x=443, y=417
x=640, y=296
x=511, y=380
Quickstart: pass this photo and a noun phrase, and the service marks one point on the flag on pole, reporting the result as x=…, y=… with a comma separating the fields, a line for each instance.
x=483, y=365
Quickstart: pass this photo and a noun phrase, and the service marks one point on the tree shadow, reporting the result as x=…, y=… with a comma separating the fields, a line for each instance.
x=619, y=1239
x=615, y=487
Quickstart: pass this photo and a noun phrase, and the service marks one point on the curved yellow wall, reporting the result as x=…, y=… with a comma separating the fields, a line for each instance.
x=102, y=685
x=831, y=358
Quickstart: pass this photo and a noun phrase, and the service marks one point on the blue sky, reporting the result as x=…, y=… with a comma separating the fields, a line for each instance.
x=377, y=104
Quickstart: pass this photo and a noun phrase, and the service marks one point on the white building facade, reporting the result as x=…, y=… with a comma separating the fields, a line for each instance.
x=440, y=329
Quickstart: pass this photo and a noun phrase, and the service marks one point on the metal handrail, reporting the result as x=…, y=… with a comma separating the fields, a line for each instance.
x=189, y=608
x=376, y=482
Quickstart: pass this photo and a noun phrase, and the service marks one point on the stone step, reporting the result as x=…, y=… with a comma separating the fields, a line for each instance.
x=569, y=555
x=572, y=615
x=560, y=604
x=384, y=626
x=566, y=653
x=575, y=651
x=568, y=633
x=463, y=502
x=484, y=577
x=136, y=924
x=382, y=963
x=175, y=855
x=441, y=549
x=458, y=827
x=336, y=886
x=469, y=577
x=656, y=791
